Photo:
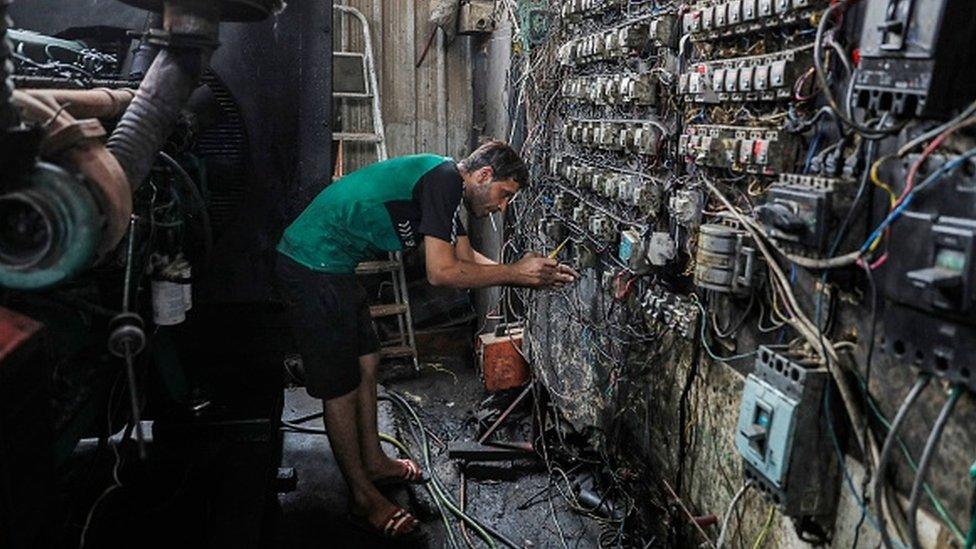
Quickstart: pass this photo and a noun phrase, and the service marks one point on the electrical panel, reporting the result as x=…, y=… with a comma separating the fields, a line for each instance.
x=780, y=433
x=733, y=169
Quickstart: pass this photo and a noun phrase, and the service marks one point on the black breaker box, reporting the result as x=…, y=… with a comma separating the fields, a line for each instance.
x=917, y=57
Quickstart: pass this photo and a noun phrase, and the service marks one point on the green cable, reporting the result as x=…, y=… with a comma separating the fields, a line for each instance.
x=933, y=498
x=422, y=441
x=447, y=527
x=971, y=537
x=436, y=492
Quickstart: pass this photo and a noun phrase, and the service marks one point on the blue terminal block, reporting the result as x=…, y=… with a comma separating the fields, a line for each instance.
x=782, y=435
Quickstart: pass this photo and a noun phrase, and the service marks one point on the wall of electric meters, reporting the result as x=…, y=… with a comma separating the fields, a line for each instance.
x=783, y=187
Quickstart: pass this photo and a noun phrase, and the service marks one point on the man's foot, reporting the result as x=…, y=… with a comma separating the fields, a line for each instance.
x=385, y=519
x=396, y=471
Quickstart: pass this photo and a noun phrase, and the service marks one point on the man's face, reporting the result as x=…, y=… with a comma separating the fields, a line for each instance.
x=485, y=196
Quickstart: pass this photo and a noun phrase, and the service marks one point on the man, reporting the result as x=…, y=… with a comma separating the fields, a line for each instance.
x=388, y=207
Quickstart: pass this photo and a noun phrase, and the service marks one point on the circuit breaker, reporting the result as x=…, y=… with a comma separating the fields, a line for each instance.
x=781, y=435
x=674, y=311
x=930, y=275
x=743, y=149
x=801, y=211
x=917, y=56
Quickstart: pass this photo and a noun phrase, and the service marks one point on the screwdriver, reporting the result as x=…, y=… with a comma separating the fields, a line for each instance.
x=559, y=248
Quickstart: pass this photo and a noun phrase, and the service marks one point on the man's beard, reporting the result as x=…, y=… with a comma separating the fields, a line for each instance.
x=476, y=210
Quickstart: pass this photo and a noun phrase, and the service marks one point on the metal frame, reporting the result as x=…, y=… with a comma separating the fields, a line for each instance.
x=398, y=276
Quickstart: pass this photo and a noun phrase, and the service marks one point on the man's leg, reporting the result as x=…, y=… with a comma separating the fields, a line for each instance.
x=377, y=464
x=342, y=425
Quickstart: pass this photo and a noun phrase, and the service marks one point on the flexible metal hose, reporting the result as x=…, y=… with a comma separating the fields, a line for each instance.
x=154, y=112
x=167, y=87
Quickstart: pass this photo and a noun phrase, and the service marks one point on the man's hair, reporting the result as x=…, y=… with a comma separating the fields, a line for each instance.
x=503, y=160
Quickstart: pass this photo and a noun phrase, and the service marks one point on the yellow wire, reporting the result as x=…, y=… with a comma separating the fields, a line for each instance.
x=892, y=198
x=765, y=529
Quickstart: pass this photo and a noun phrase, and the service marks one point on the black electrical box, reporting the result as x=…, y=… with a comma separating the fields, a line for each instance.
x=930, y=274
x=917, y=57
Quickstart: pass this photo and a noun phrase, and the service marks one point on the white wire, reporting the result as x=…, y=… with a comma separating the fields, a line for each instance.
x=729, y=512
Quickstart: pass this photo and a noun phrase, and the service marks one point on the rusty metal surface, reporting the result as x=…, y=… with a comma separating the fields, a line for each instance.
x=95, y=103
x=15, y=330
x=93, y=160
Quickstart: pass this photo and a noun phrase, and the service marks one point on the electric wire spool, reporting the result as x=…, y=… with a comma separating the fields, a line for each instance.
x=724, y=261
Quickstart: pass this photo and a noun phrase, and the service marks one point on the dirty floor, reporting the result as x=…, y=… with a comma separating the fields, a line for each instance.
x=523, y=507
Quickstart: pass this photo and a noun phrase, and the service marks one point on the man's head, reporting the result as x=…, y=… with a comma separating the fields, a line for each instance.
x=492, y=175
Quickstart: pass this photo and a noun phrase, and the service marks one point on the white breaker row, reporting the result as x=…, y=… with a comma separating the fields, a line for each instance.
x=632, y=136
x=627, y=189
x=763, y=151
x=768, y=77
x=577, y=9
x=619, y=42
x=673, y=311
x=618, y=89
x=718, y=19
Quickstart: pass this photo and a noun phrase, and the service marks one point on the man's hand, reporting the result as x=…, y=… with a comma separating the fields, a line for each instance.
x=535, y=271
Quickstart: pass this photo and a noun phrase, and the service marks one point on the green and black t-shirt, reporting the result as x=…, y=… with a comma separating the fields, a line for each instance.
x=385, y=207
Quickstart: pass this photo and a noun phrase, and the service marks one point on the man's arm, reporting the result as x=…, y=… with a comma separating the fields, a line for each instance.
x=466, y=252
x=445, y=268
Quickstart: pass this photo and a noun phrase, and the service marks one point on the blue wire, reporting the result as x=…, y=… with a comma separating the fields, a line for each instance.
x=814, y=143
x=897, y=212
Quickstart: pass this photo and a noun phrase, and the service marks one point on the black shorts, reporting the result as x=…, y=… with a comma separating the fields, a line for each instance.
x=330, y=319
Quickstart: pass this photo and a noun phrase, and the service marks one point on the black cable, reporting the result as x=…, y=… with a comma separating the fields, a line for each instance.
x=931, y=448
x=867, y=133
x=866, y=387
x=861, y=193
x=191, y=188
x=889, y=445
x=683, y=405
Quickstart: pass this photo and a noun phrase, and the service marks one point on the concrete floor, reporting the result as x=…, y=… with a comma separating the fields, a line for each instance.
x=446, y=396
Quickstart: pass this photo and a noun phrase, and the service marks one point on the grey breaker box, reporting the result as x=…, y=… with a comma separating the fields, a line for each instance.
x=782, y=433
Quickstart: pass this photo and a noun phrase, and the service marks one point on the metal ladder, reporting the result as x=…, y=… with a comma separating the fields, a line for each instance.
x=404, y=345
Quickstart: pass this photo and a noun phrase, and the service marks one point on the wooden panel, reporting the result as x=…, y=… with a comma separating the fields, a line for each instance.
x=426, y=109
x=426, y=98
x=459, y=97
x=399, y=75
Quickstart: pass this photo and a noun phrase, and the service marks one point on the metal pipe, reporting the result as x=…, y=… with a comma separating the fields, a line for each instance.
x=191, y=32
x=94, y=103
x=145, y=52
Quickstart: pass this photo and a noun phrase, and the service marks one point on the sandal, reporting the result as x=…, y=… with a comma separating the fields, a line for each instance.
x=399, y=524
x=410, y=474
